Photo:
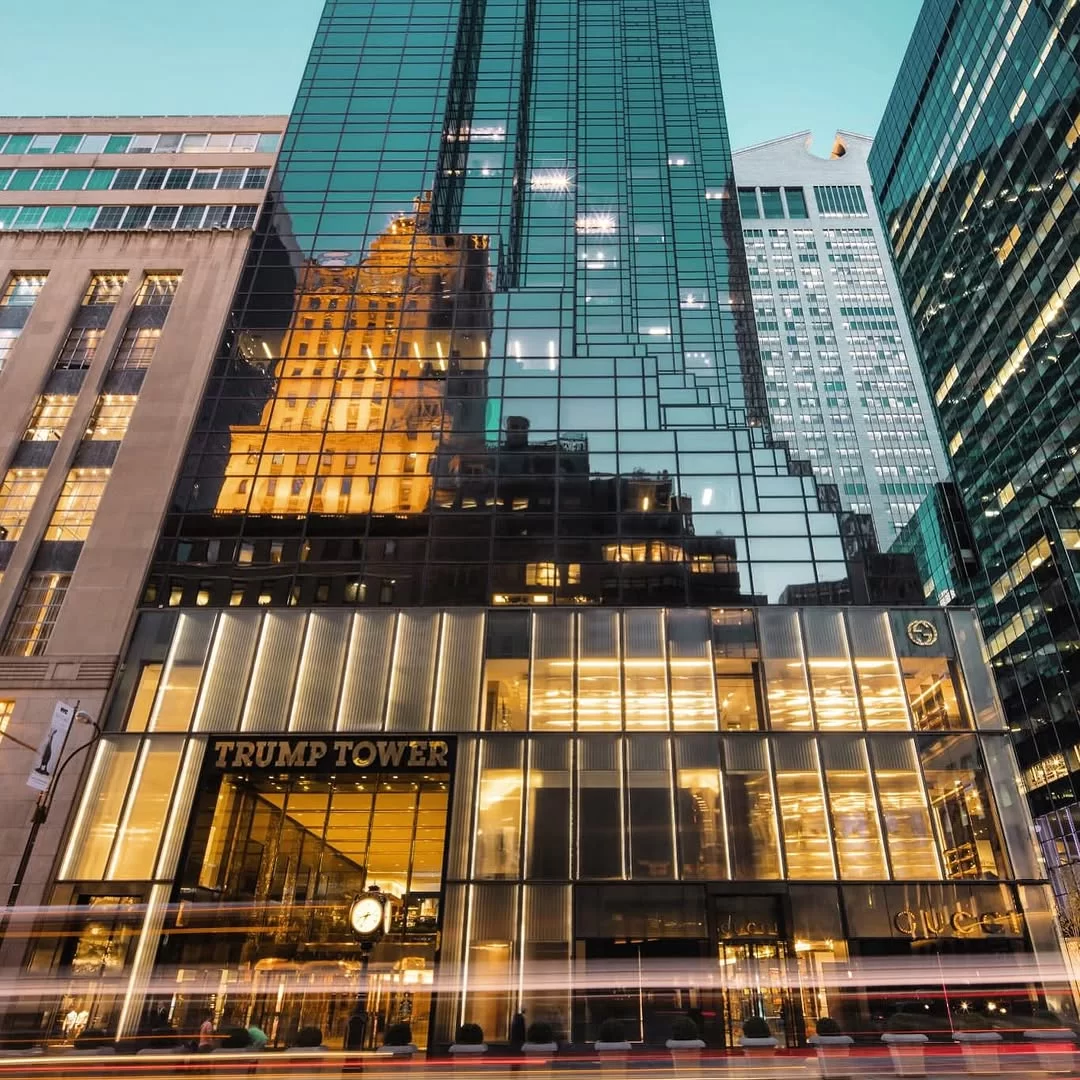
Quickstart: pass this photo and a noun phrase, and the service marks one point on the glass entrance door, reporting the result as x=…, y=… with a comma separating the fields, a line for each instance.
x=754, y=977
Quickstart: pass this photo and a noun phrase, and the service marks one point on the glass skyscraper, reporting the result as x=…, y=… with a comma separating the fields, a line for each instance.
x=495, y=343
x=463, y=595
x=977, y=166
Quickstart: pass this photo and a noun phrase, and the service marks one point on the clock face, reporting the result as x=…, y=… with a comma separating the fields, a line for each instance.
x=922, y=632
x=366, y=915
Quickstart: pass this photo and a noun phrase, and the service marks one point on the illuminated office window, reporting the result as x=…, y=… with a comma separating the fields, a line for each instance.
x=105, y=288
x=158, y=290
x=20, y=293
x=77, y=505
x=88, y=326
x=136, y=348
x=35, y=615
x=79, y=348
x=51, y=415
x=111, y=416
x=23, y=289
x=18, y=490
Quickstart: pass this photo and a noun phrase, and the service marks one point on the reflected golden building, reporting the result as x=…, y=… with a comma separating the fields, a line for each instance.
x=360, y=409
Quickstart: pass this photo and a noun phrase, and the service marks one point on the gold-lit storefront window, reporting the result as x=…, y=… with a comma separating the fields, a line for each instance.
x=751, y=808
x=497, y=849
x=735, y=656
x=599, y=695
x=506, y=694
x=805, y=826
x=932, y=694
x=699, y=807
x=835, y=705
x=877, y=671
x=563, y=670
x=853, y=807
x=693, y=700
x=645, y=670
x=786, y=690
x=963, y=808
x=905, y=809
x=551, y=699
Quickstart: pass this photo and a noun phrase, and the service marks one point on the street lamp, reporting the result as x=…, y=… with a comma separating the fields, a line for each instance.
x=41, y=810
x=369, y=919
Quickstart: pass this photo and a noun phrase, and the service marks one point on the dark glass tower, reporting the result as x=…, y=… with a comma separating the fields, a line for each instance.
x=977, y=166
x=494, y=343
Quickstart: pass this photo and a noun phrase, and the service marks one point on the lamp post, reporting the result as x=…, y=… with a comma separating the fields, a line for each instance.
x=369, y=915
x=41, y=811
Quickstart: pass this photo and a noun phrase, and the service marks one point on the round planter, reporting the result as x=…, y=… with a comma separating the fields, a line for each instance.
x=833, y=1052
x=980, y=1052
x=907, y=1051
x=466, y=1055
x=758, y=1047
x=398, y=1051
x=539, y=1056
x=685, y=1053
x=612, y=1055
x=325, y=1066
x=1053, y=1047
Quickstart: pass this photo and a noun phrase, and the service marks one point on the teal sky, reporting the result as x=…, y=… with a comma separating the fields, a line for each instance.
x=787, y=65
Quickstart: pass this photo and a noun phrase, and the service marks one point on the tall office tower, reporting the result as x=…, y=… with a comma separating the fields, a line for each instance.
x=454, y=598
x=976, y=166
x=121, y=243
x=842, y=379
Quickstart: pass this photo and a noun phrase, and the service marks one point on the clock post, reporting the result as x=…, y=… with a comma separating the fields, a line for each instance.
x=369, y=915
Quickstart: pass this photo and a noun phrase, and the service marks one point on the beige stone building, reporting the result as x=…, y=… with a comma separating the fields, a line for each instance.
x=121, y=242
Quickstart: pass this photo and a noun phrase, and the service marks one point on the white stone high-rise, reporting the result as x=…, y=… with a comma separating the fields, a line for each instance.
x=841, y=374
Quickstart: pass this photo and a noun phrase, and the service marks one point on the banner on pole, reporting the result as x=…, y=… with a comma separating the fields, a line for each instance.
x=52, y=746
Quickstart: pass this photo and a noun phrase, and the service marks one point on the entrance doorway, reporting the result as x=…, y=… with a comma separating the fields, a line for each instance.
x=754, y=979
x=637, y=982
x=259, y=932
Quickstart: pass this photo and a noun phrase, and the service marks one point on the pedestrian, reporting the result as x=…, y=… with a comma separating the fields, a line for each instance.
x=206, y=1032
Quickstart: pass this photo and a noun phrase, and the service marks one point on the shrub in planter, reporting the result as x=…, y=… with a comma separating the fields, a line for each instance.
x=756, y=1028
x=611, y=1040
x=235, y=1038
x=827, y=1026
x=398, y=1035
x=540, y=1033
x=685, y=1043
x=683, y=1029
x=308, y=1037
x=612, y=1031
x=470, y=1035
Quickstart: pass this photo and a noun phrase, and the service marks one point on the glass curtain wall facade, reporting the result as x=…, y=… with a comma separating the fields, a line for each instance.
x=977, y=167
x=628, y=812
x=494, y=344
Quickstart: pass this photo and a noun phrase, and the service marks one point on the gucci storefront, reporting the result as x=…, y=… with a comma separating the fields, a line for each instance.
x=579, y=815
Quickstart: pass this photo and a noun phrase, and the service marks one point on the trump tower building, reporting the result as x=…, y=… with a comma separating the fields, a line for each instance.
x=485, y=583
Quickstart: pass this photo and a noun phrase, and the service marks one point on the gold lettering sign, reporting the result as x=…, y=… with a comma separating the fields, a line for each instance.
x=937, y=922
x=328, y=755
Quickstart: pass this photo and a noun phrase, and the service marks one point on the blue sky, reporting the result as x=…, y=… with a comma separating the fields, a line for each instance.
x=787, y=65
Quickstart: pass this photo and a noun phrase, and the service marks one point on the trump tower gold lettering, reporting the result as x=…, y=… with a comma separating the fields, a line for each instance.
x=345, y=754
